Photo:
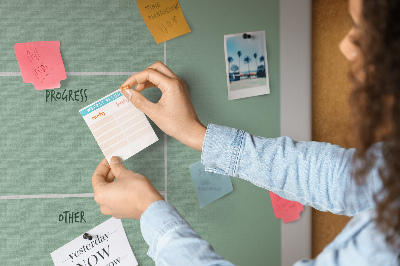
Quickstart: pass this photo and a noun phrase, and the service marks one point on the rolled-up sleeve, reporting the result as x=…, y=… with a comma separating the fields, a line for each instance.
x=172, y=241
x=312, y=173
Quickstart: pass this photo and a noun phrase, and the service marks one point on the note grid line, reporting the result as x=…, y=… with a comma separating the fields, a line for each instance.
x=18, y=74
x=54, y=196
x=165, y=138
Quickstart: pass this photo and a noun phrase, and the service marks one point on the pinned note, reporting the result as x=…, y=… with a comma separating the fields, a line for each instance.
x=118, y=126
x=41, y=63
x=209, y=186
x=288, y=211
x=108, y=245
x=164, y=18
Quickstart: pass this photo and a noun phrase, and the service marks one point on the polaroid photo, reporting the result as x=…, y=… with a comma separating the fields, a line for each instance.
x=246, y=64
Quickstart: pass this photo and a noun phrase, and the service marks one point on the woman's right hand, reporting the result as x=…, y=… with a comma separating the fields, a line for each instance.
x=173, y=113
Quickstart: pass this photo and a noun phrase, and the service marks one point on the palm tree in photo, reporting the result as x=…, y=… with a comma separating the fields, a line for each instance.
x=262, y=59
x=247, y=60
x=234, y=68
x=255, y=60
x=230, y=60
x=239, y=53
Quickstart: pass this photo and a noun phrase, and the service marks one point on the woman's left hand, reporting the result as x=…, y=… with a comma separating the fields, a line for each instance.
x=128, y=196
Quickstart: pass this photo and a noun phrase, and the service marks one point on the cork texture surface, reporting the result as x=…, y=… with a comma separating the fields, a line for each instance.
x=330, y=99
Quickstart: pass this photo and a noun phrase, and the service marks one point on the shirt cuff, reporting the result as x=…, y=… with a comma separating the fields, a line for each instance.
x=222, y=148
x=158, y=219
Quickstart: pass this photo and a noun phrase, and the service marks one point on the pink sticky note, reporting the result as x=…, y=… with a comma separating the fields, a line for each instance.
x=288, y=211
x=41, y=63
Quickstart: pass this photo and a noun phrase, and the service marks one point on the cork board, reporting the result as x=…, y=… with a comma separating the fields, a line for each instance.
x=331, y=89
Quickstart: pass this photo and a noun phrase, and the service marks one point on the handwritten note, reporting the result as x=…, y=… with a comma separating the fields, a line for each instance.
x=209, y=186
x=109, y=246
x=288, y=211
x=118, y=126
x=41, y=63
x=164, y=18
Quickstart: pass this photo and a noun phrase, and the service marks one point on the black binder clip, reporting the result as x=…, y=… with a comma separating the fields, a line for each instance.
x=246, y=36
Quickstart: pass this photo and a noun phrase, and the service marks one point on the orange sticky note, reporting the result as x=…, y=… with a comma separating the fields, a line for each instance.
x=164, y=18
x=41, y=63
x=288, y=211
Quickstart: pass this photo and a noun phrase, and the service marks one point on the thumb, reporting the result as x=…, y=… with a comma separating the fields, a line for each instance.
x=138, y=100
x=99, y=176
x=117, y=167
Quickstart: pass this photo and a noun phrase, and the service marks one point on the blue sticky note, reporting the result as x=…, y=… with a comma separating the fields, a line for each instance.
x=209, y=186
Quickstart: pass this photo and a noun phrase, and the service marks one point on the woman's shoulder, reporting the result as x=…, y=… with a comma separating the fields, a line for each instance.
x=362, y=238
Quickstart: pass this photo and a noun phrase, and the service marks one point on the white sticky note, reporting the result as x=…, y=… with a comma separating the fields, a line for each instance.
x=109, y=246
x=118, y=126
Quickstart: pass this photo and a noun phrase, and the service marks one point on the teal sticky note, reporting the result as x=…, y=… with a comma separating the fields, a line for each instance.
x=209, y=186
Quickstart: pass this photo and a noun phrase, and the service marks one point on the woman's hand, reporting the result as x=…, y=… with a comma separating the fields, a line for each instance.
x=173, y=113
x=128, y=196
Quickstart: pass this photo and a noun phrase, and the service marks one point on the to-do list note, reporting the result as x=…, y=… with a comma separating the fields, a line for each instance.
x=118, y=126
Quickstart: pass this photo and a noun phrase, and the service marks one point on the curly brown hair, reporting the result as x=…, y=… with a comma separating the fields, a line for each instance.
x=375, y=103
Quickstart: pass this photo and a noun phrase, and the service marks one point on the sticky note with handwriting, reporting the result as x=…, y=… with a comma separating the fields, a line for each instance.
x=287, y=210
x=209, y=186
x=108, y=246
x=118, y=126
x=41, y=63
x=164, y=18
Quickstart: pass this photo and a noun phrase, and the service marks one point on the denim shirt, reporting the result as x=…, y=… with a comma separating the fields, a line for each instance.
x=312, y=173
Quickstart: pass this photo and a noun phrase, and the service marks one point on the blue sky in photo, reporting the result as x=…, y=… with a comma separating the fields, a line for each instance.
x=256, y=44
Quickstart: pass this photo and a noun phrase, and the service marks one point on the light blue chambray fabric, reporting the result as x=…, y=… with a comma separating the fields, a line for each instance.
x=312, y=173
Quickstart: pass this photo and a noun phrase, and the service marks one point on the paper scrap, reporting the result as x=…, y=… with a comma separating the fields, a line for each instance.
x=209, y=186
x=41, y=64
x=118, y=126
x=288, y=211
x=109, y=246
x=164, y=18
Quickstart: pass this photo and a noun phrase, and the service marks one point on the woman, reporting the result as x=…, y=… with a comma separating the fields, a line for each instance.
x=362, y=182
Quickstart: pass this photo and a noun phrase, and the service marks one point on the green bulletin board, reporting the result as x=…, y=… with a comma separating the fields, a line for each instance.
x=47, y=148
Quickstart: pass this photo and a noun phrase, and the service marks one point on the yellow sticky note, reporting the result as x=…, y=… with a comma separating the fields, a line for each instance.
x=164, y=18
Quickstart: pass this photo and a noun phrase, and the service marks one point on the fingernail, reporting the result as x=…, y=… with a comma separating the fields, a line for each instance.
x=129, y=92
x=125, y=88
x=115, y=160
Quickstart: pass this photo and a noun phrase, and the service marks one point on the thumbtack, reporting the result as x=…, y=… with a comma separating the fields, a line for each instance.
x=246, y=36
x=87, y=236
